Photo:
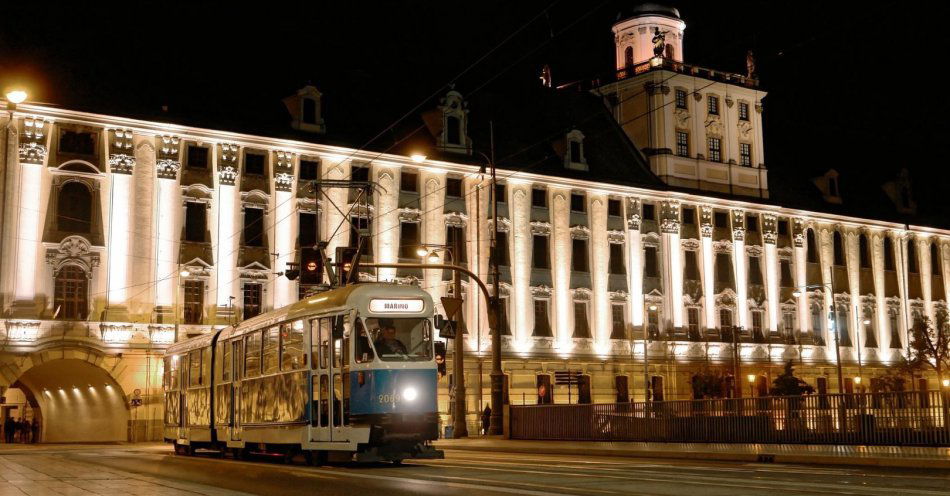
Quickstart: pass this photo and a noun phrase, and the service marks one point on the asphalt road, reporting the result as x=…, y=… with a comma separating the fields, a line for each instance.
x=460, y=473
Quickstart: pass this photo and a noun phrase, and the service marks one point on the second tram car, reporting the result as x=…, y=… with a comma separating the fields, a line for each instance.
x=348, y=371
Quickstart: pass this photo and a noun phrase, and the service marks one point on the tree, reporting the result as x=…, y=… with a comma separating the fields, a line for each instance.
x=708, y=383
x=930, y=343
x=786, y=384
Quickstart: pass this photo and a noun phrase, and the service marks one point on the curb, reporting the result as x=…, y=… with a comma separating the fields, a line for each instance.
x=764, y=457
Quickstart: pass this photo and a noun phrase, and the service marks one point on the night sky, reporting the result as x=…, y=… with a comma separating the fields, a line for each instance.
x=852, y=85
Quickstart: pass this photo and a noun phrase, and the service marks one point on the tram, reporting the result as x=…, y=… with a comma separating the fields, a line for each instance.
x=345, y=374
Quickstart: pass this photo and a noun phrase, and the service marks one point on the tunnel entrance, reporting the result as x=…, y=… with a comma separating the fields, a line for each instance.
x=74, y=400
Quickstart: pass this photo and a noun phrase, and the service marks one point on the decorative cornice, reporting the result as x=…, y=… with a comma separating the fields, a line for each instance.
x=722, y=246
x=754, y=250
x=409, y=214
x=542, y=228
x=616, y=237
x=690, y=244
x=455, y=219
x=580, y=232
x=73, y=250
x=541, y=291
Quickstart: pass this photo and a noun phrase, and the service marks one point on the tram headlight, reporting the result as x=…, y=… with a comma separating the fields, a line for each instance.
x=409, y=394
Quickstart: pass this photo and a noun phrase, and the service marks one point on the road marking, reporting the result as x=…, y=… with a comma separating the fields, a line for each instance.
x=459, y=485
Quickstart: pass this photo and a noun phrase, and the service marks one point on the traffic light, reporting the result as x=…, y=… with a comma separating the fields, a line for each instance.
x=311, y=270
x=347, y=262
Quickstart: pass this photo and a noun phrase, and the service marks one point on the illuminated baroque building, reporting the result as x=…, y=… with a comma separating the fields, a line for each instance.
x=642, y=207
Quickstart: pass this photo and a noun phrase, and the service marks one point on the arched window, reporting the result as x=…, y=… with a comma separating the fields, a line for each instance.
x=74, y=208
x=453, y=130
x=628, y=57
x=888, y=254
x=865, y=252
x=838, y=249
x=71, y=293
x=811, y=253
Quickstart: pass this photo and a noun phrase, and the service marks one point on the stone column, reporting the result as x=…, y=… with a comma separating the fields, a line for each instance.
x=432, y=203
x=33, y=156
x=900, y=239
x=634, y=264
x=229, y=231
x=121, y=165
x=672, y=262
x=285, y=226
x=852, y=250
x=144, y=238
x=876, y=245
x=386, y=231
x=561, y=258
x=336, y=228
x=478, y=239
x=800, y=274
x=825, y=241
x=599, y=271
x=167, y=242
x=739, y=265
x=769, y=239
x=925, y=269
x=709, y=281
x=522, y=304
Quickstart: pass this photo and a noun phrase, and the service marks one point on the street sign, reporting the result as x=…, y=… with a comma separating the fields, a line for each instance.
x=567, y=377
x=451, y=306
x=448, y=330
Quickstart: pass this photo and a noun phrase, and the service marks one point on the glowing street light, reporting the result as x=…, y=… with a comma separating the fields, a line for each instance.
x=421, y=251
x=16, y=97
x=418, y=157
x=184, y=273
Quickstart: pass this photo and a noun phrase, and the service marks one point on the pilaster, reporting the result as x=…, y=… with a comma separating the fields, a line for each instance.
x=121, y=166
x=634, y=262
x=169, y=198
x=387, y=219
x=432, y=204
x=33, y=144
x=769, y=239
x=709, y=287
x=229, y=231
x=522, y=303
x=672, y=262
x=600, y=255
x=285, y=228
x=739, y=264
x=561, y=255
x=479, y=243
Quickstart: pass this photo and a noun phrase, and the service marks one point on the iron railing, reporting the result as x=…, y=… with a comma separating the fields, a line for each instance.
x=909, y=418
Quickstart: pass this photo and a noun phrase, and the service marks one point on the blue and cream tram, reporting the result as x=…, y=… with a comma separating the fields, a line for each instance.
x=349, y=371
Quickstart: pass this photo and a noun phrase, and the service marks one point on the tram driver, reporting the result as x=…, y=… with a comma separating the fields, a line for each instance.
x=386, y=342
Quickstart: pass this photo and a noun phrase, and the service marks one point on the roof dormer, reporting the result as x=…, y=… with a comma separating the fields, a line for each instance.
x=454, y=135
x=306, y=110
x=574, y=157
x=827, y=183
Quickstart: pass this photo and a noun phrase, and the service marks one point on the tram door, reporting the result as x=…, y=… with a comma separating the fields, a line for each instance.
x=320, y=411
x=339, y=381
x=237, y=375
x=183, y=369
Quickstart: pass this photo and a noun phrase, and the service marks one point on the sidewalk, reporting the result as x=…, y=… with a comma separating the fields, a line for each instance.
x=24, y=448
x=875, y=456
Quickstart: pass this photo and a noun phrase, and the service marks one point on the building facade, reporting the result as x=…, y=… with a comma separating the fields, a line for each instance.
x=120, y=236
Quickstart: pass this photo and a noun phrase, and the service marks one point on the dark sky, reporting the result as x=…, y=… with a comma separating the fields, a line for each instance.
x=851, y=84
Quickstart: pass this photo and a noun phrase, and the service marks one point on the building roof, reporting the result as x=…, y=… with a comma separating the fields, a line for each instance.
x=649, y=8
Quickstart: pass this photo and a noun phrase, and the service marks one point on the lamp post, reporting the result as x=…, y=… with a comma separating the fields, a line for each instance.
x=459, y=426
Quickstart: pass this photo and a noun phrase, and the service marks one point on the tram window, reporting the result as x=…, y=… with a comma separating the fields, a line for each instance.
x=252, y=354
x=172, y=371
x=324, y=400
x=225, y=361
x=237, y=358
x=325, y=326
x=205, y=379
x=314, y=343
x=194, y=368
x=271, y=348
x=403, y=339
x=364, y=351
x=337, y=344
x=291, y=346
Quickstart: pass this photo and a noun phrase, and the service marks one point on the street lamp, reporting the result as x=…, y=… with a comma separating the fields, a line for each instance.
x=15, y=97
x=751, y=379
x=946, y=383
x=418, y=157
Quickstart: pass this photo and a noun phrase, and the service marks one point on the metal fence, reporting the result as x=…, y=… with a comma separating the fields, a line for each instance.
x=912, y=418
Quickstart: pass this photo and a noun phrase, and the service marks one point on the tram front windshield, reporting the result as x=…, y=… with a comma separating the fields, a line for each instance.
x=395, y=339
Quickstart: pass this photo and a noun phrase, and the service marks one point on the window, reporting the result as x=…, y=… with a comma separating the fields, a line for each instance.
x=757, y=318
x=812, y=247
x=365, y=225
x=577, y=202
x=194, y=368
x=745, y=154
x=691, y=266
x=751, y=223
x=453, y=130
x=409, y=240
x=309, y=170
x=254, y=164
x=309, y=111
x=71, y=293
x=581, y=326
x=816, y=318
x=576, y=156
x=623, y=390
x=724, y=274
x=616, y=259
x=77, y=142
x=888, y=254
x=692, y=320
x=715, y=151
x=74, y=208
x=712, y=104
x=409, y=182
x=682, y=143
x=788, y=321
x=500, y=193
x=358, y=174
x=895, y=330
x=579, y=255
x=783, y=227
x=618, y=324
x=252, y=300
x=865, y=254
x=271, y=357
x=195, y=221
x=197, y=157
x=653, y=322
x=743, y=111
x=935, y=269
x=681, y=102
x=539, y=252
x=453, y=187
x=650, y=262
x=501, y=247
x=542, y=324
x=842, y=324
x=628, y=56
x=455, y=239
x=614, y=208
x=725, y=318
x=539, y=198
x=253, y=226
x=649, y=211
x=720, y=219
x=912, y=256
x=689, y=216
x=785, y=274
x=291, y=346
x=755, y=271
x=838, y=249
x=194, y=301
x=252, y=355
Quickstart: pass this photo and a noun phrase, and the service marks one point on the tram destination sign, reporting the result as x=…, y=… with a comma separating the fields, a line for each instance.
x=381, y=305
